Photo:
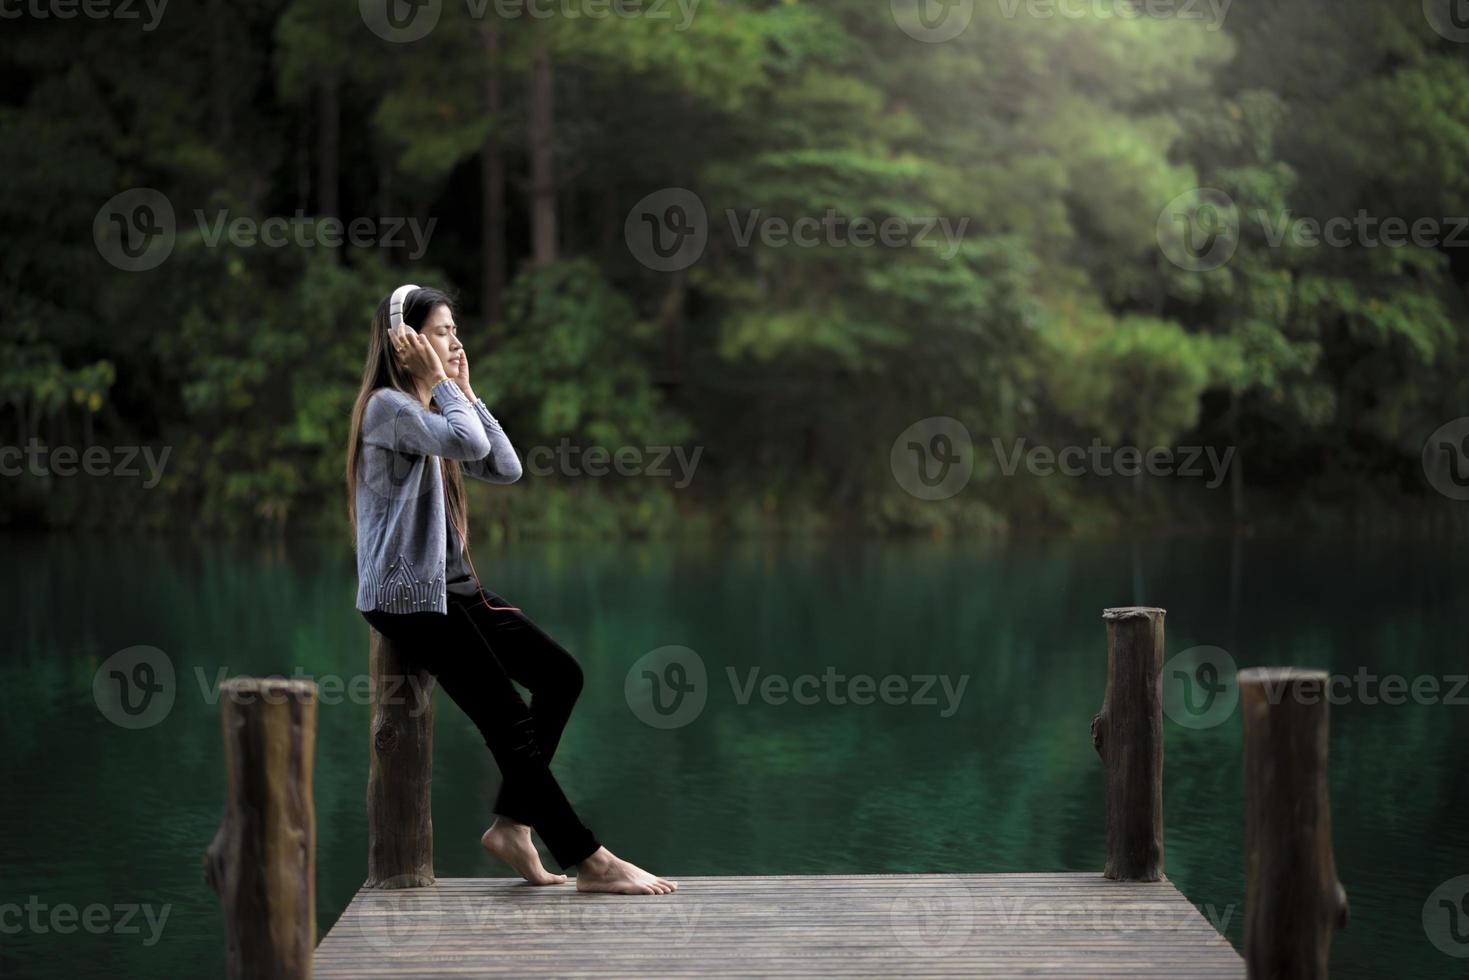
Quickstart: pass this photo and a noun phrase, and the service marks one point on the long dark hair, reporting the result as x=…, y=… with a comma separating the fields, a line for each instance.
x=383, y=371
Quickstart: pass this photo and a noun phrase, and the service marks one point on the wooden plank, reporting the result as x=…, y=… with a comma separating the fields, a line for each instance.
x=1000, y=925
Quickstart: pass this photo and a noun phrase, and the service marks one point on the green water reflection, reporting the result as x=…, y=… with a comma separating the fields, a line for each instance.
x=98, y=814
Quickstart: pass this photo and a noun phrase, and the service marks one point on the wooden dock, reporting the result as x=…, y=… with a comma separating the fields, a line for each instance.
x=1128, y=921
x=959, y=925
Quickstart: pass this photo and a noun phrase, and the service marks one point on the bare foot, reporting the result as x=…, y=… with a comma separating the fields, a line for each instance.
x=605, y=872
x=510, y=842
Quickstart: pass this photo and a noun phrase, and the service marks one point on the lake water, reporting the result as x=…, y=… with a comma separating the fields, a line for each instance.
x=997, y=776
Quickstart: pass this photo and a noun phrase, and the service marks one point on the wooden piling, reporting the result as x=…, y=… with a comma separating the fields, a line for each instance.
x=1128, y=735
x=262, y=861
x=1293, y=900
x=400, y=826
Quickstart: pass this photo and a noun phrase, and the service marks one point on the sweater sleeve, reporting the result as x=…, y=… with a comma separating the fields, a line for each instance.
x=500, y=465
x=399, y=422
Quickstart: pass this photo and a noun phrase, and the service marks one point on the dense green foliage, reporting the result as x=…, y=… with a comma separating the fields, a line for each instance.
x=1053, y=142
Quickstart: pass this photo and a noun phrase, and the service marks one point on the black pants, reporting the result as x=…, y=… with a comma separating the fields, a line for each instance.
x=475, y=652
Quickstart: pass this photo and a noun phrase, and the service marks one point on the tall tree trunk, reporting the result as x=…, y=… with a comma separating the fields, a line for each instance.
x=219, y=65
x=385, y=205
x=303, y=163
x=611, y=224
x=671, y=324
x=327, y=159
x=492, y=186
x=1236, y=468
x=542, y=173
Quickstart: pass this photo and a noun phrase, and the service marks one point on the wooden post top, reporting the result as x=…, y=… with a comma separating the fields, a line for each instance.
x=1277, y=687
x=1134, y=612
x=271, y=690
x=1281, y=675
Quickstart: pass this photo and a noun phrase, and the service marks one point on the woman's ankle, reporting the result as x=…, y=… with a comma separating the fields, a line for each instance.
x=503, y=822
x=597, y=860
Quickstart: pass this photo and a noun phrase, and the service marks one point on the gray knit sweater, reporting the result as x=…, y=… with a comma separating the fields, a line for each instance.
x=401, y=525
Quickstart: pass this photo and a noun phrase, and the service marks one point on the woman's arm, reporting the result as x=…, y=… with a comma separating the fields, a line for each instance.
x=500, y=465
x=398, y=421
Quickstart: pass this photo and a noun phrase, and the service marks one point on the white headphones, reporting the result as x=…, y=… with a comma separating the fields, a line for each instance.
x=395, y=305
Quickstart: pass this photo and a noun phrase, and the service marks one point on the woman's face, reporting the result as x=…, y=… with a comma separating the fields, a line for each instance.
x=443, y=336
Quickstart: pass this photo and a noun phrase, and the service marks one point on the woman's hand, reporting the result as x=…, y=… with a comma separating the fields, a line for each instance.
x=462, y=378
x=417, y=356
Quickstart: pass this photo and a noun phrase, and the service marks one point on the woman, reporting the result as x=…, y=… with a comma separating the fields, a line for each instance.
x=417, y=428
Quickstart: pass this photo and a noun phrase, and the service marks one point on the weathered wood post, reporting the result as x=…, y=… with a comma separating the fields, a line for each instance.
x=1293, y=900
x=262, y=861
x=1128, y=735
x=400, y=825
